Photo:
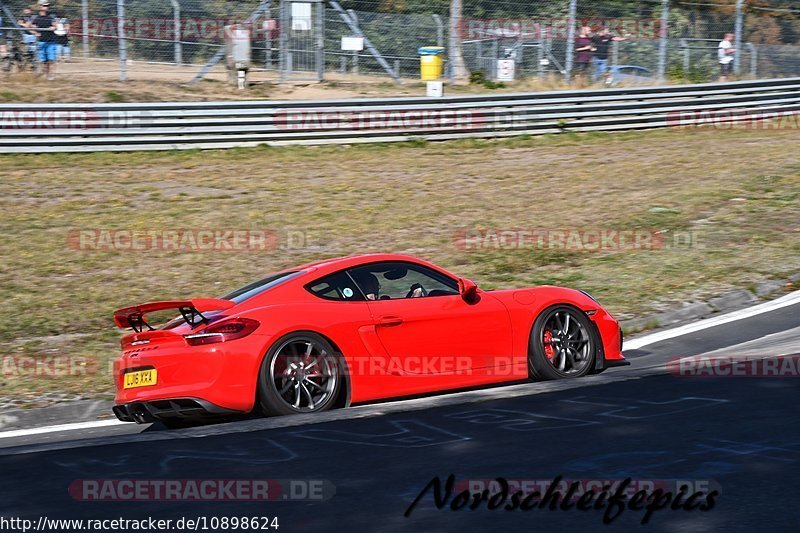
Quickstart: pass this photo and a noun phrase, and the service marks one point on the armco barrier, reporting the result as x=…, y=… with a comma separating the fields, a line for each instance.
x=37, y=128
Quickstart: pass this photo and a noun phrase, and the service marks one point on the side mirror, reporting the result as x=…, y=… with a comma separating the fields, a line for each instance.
x=468, y=290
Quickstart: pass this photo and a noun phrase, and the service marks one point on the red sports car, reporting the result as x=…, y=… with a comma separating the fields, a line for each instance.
x=351, y=330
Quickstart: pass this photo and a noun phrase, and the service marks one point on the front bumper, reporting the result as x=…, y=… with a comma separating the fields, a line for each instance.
x=610, y=335
x=172, y=409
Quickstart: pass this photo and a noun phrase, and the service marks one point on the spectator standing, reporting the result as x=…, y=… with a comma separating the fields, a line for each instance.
x=726, y=52
x=45, y=26
x=583, y=51
x=602, y=42
x=28, y=37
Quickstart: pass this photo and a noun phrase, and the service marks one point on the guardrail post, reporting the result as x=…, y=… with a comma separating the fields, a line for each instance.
x=85, y=16
x=737, y=61
x=662, y=40
x=122, y=43
x=573, y=10
x=176, y=22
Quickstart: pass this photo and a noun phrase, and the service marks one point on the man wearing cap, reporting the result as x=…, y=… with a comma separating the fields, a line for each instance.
x=45, y=25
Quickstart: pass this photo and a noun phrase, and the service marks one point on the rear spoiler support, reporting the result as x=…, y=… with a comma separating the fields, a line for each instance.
x=137, y=323
x=191, y=315
x=191, y=311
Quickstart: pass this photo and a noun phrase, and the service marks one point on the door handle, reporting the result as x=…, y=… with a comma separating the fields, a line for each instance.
x=390, y=320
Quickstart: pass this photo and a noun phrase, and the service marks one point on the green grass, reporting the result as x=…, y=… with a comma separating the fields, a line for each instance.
x=736, y=191
x=114, y=96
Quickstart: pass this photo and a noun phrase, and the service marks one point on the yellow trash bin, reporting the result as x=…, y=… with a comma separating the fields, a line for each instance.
x=431, y=62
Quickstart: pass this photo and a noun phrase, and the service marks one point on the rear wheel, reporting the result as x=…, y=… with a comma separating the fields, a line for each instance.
x=300, y=374
x=561, y=344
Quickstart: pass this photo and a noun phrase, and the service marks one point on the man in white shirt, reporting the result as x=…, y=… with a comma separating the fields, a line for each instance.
x=725, y=53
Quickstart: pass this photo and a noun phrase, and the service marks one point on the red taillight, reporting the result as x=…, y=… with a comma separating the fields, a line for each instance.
x=229, y=330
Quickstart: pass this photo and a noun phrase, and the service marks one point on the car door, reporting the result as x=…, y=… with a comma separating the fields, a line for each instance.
x=433, y=330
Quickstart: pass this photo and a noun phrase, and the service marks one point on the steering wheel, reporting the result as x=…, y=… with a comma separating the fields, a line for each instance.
x=415, y=287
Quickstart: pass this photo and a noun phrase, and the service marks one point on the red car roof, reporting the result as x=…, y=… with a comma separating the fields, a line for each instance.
x=338, y=263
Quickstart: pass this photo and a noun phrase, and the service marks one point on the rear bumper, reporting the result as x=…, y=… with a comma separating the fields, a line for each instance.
x=172, y=408
x=222, y=374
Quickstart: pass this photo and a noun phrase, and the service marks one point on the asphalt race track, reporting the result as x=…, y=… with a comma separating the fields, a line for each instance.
x=737, y=434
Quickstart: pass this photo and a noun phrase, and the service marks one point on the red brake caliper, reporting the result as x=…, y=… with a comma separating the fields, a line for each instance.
x=548, y=346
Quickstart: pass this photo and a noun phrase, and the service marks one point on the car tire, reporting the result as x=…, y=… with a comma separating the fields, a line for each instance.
x=300, y=373
x=558, y=353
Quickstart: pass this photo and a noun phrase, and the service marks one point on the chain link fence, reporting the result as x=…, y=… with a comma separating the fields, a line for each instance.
x=654, y=40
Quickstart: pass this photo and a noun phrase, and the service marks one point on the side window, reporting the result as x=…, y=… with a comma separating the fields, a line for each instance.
x=395, y=280
x=336, y=286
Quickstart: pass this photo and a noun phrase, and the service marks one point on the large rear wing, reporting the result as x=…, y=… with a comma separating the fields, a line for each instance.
x=191, y=310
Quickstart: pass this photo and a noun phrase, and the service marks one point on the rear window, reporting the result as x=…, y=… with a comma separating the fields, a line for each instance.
x=257, y=287
x=338, y=286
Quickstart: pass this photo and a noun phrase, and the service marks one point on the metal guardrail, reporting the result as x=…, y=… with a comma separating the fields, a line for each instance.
x=39, y=128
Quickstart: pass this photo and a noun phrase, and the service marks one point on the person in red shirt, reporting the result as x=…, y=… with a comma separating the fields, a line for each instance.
x=583, y=51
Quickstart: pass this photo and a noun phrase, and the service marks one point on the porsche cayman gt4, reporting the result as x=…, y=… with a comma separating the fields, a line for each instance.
x=348, y=331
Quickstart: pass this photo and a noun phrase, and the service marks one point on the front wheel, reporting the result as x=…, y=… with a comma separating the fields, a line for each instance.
x=300, y=374
x=561, y=344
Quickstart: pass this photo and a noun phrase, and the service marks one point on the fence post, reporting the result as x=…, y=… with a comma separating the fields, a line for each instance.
x=687, y=58
x=283, y=41
x=122, y=43
x=85, y=16
x=662, y=41
x=737, y=62
x=176, y=22
x=573, y=10
x=354, y=53
x=320, y=41
x=458, y=70
x=540, y=51
x=753, y=60
x=439, y=30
